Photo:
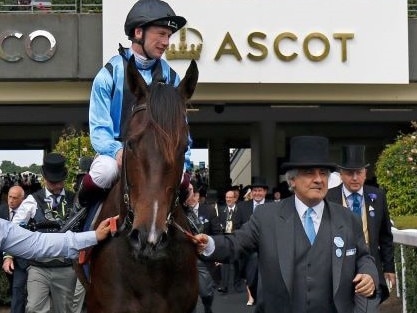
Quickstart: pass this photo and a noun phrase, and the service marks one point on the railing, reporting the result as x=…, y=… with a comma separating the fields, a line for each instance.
x=407, y=237
x=95, y=6
x=56, y=6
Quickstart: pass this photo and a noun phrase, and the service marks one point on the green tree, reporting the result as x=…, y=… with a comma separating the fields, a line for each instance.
x=73, y=145
x=396, y=170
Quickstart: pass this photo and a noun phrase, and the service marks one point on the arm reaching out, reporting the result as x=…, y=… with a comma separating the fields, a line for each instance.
x=18, y=241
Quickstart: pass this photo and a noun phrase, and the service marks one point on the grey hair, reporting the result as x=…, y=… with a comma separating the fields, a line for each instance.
x=289, y=176
x=292, y=173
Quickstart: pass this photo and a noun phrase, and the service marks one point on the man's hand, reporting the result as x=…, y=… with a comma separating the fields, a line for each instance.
x=364, y=285
x=390, y=278
x=201, y=240
x=105, y=228
x=8, y=265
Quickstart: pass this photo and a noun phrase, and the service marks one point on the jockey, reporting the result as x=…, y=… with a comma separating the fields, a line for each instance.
x=149, y=26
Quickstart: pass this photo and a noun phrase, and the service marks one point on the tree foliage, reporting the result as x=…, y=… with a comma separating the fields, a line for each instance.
x=73, y=145
x=396, y=170
x=10, y=167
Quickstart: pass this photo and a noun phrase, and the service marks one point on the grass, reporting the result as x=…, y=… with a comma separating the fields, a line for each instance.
x=405, y=222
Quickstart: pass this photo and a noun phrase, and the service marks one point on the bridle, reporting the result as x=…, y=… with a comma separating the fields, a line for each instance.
x=128, y=220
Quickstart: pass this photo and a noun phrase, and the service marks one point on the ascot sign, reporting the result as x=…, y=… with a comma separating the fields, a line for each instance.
x=282, y=41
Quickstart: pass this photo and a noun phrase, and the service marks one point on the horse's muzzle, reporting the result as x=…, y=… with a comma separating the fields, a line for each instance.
x=143, y=247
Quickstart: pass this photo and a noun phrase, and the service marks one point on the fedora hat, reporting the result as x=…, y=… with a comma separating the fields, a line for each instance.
x=258, y=182
x=309, y=151
x=353, y=157
x=53, y=168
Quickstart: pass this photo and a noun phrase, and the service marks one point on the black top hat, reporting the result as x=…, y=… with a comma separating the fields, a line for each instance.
x=259, y=182
x=53, y=168
x=309, y=151
x=353, y=157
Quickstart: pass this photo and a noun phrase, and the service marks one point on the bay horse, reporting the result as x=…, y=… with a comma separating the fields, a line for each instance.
x=150, y=265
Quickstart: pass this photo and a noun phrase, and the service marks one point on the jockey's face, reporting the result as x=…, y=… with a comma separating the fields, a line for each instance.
x=156, y=41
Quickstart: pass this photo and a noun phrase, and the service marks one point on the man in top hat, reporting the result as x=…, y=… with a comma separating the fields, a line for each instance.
x=48, y=209
x=371, y=206
x=312, y=253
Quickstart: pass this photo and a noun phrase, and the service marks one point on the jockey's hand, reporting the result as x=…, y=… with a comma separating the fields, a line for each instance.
x=104, y=229
x=119, y=158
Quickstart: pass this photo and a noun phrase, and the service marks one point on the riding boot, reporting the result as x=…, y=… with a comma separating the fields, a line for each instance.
x=207, y=302
x=88, y=193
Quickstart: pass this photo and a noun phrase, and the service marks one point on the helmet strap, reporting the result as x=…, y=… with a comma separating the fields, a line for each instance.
x=141, y=42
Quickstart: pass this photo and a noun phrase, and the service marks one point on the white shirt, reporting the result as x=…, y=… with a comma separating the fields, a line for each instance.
x=316, y=215
x=28, y=207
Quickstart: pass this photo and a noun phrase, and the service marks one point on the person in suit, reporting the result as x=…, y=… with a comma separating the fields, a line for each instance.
x=226, y=213
x=373, y=211
x=15, y=268
x=49, y=209
x=245, y=209
x=203, y=219
x=312, y=253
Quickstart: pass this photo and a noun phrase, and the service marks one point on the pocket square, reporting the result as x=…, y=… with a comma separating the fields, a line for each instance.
x=351, y=252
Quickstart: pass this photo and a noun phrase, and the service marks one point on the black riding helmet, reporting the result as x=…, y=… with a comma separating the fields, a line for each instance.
x=152, y=12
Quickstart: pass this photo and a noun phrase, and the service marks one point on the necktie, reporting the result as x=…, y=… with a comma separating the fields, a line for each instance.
x=54, y=203
x=356, y=203
x=12, y=213
x=309, y=225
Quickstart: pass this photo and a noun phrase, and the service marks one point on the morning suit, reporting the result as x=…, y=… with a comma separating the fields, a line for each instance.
x=226, y=221
x=207, y=223
x=291, y=270
x=248, y=262
x=17, y=280
x=379, y=230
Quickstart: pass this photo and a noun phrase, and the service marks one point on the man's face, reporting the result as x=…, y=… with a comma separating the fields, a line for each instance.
x=353, y=179
x=14, y=198
x=230, y=198
x=54, y=187
x=258, y=193
x=310, y=185
x=156, y=40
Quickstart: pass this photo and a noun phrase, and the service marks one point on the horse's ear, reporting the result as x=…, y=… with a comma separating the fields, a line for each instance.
x=137, y=84
x=189, y=82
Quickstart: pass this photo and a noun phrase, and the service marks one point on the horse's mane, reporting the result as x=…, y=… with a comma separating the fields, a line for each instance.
x=166, y=114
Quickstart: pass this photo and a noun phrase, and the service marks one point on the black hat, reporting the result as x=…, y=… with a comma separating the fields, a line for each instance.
x=309, y=151
x=353, y=157
x=258, y=182
x=53, y=168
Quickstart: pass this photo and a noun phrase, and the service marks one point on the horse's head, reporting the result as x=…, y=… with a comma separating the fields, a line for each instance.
x=153, y=160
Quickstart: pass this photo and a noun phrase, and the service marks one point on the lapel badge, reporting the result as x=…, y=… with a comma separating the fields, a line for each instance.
x=338, y=252
x=371, y=211
x=338, y=241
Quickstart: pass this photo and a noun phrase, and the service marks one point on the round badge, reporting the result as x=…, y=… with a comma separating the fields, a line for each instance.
x=372, y=213
x=338, y=253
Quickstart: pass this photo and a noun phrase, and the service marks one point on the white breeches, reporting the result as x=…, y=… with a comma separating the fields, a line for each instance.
x=104, y=171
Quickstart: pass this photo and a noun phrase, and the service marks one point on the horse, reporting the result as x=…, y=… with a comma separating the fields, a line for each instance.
x=149, y=266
